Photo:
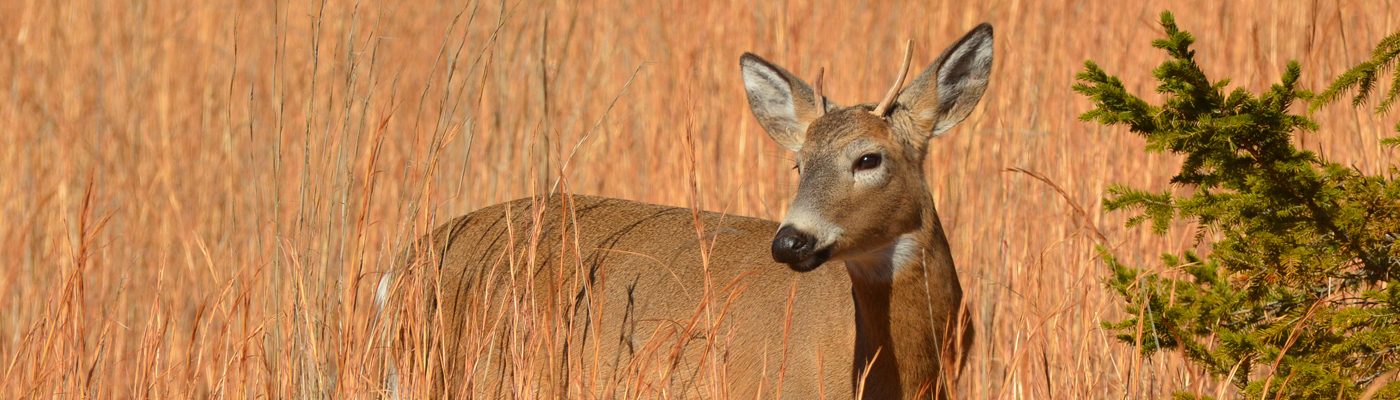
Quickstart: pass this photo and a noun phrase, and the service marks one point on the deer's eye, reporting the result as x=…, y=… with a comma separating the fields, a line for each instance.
x=867, y=162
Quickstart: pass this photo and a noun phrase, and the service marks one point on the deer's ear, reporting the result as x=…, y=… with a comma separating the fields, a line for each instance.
x=784, y=105
x=945, y=93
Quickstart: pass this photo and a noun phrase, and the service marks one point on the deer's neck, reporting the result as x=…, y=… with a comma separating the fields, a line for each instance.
x=906, y=297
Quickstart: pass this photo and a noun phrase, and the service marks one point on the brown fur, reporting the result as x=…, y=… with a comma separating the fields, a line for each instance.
x=645, y=295
x=617, y=290
x=904, y=312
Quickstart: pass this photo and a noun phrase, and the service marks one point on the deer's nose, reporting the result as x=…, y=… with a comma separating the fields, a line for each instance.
x=792, y=246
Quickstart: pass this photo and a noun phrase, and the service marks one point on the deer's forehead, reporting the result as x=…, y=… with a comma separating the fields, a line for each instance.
x=839, y=129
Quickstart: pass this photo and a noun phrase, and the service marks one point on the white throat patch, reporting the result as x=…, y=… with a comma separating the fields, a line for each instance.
x=882, y=265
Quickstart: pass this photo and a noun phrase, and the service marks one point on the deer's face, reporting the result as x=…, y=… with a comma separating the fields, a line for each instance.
x=861, y=182
x=860, y=186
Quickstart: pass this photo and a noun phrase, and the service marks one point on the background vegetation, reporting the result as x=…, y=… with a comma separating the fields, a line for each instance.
x=1297, y=297
x=196, y=198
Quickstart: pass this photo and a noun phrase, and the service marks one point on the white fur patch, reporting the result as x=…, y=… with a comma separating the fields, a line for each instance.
x=770, y=97
x=770, y=90
x=883, y=265
x=812, y=223
x=906, y=250
x=871, y=178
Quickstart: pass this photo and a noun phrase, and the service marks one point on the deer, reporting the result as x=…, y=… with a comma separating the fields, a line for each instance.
x=652, y=299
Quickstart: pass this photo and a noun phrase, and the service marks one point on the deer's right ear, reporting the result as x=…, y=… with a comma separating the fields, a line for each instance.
x=782, y=102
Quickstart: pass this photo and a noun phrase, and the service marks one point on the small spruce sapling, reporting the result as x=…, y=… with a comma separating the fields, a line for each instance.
x=1299, y=295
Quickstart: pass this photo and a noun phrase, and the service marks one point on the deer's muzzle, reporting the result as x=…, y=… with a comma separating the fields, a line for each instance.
x=798, y=249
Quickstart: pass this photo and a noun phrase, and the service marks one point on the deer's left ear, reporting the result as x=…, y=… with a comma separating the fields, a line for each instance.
x=783, y=103
x=945, y=93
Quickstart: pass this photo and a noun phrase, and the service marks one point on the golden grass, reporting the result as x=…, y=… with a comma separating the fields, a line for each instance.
x=198, y=197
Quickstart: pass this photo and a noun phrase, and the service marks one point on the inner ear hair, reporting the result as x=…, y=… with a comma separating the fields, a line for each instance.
x=947, y=91
x=783, y=104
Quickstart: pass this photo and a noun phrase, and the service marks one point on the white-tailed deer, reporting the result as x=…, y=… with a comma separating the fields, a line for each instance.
x=576, y=296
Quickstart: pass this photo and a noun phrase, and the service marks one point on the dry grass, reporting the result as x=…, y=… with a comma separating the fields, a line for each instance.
x=197, y=197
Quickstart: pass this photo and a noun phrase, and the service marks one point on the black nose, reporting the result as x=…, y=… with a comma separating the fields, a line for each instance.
x=792, y=246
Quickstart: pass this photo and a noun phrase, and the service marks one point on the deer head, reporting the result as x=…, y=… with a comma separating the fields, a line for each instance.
x=861, y=182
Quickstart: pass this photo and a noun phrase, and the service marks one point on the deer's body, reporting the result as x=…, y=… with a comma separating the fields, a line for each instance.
x=622, y=286
x=628, y=294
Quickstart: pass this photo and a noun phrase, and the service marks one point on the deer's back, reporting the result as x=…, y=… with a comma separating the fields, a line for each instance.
x=607, y=297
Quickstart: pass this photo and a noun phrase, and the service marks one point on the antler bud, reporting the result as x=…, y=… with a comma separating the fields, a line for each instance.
x=821, y=100
x=888, y=101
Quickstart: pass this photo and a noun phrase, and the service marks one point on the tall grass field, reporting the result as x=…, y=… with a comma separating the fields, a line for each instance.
x=199, y=198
